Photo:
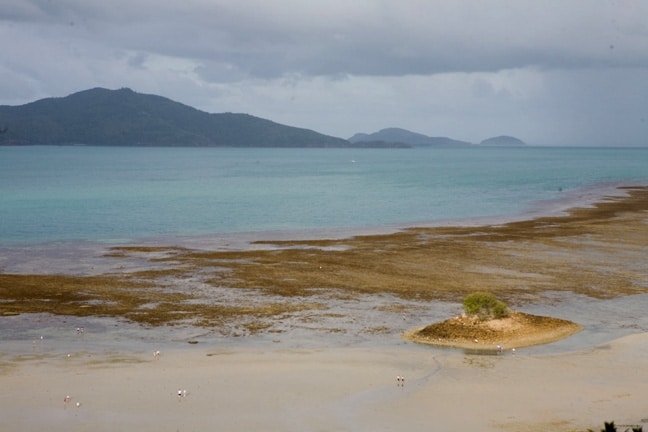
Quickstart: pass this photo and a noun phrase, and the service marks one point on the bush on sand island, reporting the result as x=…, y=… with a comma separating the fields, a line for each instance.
x=484, y=306
x=488, y=322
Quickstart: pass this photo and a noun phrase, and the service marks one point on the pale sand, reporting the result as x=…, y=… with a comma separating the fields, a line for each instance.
x=339, y=389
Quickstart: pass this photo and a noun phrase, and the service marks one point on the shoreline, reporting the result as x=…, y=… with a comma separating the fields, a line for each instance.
x=583, y=197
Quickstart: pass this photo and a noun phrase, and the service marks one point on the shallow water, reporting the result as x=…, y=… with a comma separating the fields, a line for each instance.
x=116, y=195
x=351, y=323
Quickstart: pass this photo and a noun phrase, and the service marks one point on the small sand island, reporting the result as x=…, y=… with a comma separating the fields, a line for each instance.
x=487, y=323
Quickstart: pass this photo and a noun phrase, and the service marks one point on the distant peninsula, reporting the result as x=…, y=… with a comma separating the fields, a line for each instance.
x=123, y=117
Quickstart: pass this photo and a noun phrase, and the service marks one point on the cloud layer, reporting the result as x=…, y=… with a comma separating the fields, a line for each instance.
x=550, y=72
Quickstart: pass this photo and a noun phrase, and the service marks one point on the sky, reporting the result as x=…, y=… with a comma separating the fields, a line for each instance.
x=551, y=72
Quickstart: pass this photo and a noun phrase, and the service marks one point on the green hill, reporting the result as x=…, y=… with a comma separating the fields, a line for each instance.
x=125, y=118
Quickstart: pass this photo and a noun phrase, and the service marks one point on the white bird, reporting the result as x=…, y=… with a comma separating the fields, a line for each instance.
x=400, y=380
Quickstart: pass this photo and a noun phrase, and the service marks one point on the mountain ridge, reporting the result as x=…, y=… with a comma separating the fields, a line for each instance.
x=123, y=117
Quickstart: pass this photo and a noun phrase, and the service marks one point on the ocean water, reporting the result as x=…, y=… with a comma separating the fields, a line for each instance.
x=108, y=194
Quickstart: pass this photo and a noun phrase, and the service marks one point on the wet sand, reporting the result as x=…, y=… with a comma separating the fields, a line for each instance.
x=338, y=389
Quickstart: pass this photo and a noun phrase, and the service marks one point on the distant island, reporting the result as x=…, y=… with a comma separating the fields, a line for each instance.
x=502, y=141
x=397, y=137
x=123, y=117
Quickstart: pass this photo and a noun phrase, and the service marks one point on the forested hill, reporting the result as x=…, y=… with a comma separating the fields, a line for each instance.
x=125, y=118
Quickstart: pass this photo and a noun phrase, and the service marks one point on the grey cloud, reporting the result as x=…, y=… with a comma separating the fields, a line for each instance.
x=433, y=37
x=412, y=63
x=381, y=38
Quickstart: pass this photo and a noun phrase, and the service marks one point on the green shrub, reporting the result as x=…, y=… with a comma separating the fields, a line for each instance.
x=485, y=306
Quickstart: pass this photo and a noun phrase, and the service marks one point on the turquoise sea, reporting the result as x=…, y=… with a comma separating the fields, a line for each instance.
x=114, y=194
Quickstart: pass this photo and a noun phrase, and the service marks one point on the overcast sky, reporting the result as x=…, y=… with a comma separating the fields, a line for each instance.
x=549, y=72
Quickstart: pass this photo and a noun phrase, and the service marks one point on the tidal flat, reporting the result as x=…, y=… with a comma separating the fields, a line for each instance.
x=597, y=252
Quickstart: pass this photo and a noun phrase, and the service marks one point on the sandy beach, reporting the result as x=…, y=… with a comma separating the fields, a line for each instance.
x=306, y=335
x=339, y=389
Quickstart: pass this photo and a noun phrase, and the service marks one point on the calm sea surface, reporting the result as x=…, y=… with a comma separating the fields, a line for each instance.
x=104, y=194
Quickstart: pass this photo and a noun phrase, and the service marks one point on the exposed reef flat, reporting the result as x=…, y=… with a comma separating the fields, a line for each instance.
x=597, y=251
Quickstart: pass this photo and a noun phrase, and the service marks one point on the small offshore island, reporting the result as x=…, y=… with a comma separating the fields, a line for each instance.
x=514, y=331
x=488, y=323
